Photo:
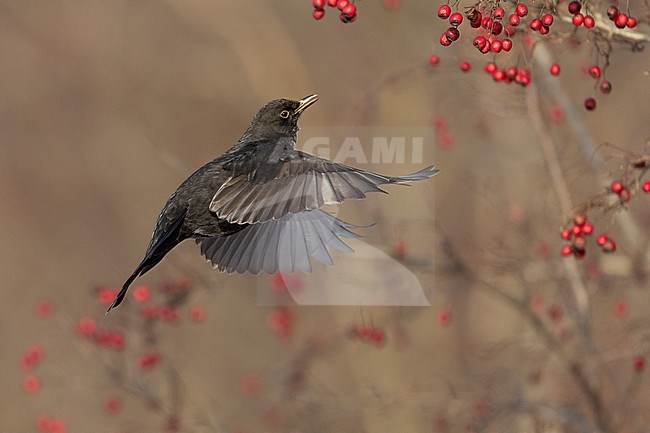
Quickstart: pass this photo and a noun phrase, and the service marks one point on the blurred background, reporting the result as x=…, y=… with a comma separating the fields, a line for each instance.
x=106, y=106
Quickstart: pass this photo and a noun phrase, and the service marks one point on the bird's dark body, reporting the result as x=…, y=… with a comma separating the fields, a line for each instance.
x=256, y=208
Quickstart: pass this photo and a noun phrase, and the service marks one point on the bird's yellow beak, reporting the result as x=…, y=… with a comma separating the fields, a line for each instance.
x=305, y=102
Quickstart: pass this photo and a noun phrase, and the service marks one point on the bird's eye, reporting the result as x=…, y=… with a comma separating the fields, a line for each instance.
x=284, y=114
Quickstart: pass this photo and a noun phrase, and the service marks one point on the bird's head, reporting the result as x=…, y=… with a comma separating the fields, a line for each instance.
x=280, y=117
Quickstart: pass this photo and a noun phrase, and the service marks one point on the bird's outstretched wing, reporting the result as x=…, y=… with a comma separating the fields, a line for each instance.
x=283, y=245
x=294, y=183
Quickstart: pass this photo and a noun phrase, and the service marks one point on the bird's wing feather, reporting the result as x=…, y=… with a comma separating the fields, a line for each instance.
x=283, y=245
x=295, y=183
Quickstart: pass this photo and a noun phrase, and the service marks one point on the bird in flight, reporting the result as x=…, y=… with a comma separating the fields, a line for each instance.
x=257, y=207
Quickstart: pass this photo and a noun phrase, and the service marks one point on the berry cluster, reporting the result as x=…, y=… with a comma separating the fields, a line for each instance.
x=578, y=18
x=172, y=295
x=503, y=27
x=620, y=19
x=576, y=233
x=87, y=327
x=542, y=25
x=28, y=362
x=347, y=8
x=488, y=25
x=368, y=333
x=148, y=360
x=605, y=86
x=509, y=74
x=48, y=424
x=619, y=189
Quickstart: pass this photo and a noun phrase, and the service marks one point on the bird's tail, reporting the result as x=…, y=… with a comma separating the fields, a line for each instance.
x=157, y=249
x=120, y=296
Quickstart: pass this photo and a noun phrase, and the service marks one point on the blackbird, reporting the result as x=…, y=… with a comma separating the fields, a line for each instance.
x=257, y=207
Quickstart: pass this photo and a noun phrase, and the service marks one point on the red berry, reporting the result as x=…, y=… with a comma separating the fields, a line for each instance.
x=601, y=239
x=465, y=66
x=499, y=75
x=556, y=113
x=498, y=13
x=444, y=317
x=455, y=19
x=473, y=14
x=514, y=20
x=523, y=77
x=511, y=72
x=318, y=14
x=434, y=60
x=595, y=72
x=141, y=293
x=250, y=384
x=536, y=24
x=506, y=44
x=342, y=4
x=616, y=186
x=86, y=326
x=112, y=405
x=378, y=337
x=544, y=30
x=346, y=18
x=621, y=21
x=621, y=308
x=479, y=42
x=31, y=383
x=612, y=12
x=444, y=11
x=197, y=313
x=590, y=22
x=646, y=186
x=578, y=19
x=521, y=10
x=579, y=244
x=280, y=321
x=566, y=250
x=497, y=46
x=624, y=195
x=576, y=230
x=318, y=4
x=476, y=20
x=547, y=20
x=590, y=104
x=350, y=10
x=555, y=313
x=605, y=87
x=609, y=246
x=555, y=69
x=43, y=308
x=631, y=22
x=566, y=234
x=490, y=67
x=574, y=7
x=497, y=28
x=588, y=228
x=638, y=363
x=332, y=3
x=444, y=40
x=452, y=33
